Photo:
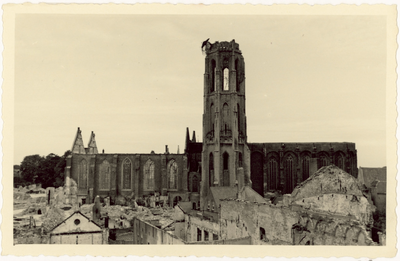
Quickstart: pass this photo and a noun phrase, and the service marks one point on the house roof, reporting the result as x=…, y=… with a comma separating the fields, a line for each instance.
x=219, y=193
x=73, y=214
x=249, y=194
x=186, y=207
x=368, y=175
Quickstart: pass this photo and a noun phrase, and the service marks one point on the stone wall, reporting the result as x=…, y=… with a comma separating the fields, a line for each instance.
x=87, y=188
x=197, y=229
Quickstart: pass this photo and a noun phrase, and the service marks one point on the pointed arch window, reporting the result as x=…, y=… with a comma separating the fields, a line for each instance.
x=240, y=160
x=212, y=116
x=290, y=173
x=238, y=118
x=340, y=161
x=225, y=118
x=195, y=184
x=237, y=75
x=126, y=174
x=226, y=79
x=323, y=160
x=83, y=174
x=104, y=179
x=211, y=170
x=149, y=175
x=306, y=167
x=225, y=173
x=273, y=173
x=173, y=175
x=213, y=73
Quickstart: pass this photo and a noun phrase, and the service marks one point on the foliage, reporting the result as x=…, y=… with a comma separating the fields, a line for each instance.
x=49, y=170
x=140, y=202
x=380, y=220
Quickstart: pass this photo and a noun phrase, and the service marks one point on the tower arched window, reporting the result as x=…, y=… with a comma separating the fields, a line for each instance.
x=104, y=178
x=149, y=175
x=238, y=118
x=226, y=80
x=226, y=160
x=237, y=75
x=225, y=118
x=126, y=174
x=213, y=78
x=240, y=160
x=211, y=170
x=212, y=117
x=83, y=174
x=172, y=175
x=225, y=172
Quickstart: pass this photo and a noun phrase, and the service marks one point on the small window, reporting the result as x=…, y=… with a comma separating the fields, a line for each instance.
x=198, y=234
x=205, y=235
x=77, y=221
x=262, y=234
x=215, y=237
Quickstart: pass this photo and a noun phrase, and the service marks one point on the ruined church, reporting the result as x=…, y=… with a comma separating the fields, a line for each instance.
x=222, y=164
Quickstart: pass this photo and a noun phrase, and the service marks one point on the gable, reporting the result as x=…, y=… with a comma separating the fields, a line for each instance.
x=76, y=223
x=77, y=146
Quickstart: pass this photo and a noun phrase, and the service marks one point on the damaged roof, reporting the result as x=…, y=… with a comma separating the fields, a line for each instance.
x=327, y=180
x=368, y=175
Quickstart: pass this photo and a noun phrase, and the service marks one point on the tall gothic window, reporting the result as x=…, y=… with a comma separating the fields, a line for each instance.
x=240, y=160
x=127, y=174
x=105, y=171
x=323, y=160
x=213, y=78
x=238, y=118
x=237, y=75
x=149, y=175
x=225, y=117
x=226, y=160
x=225, y=174
x=273, y=173
x=195, y=184
x=212, y=117
x=340, y=161
x=173, y=175
x=289, y=168
x=83, y=174
x=226, y=79
x=306, y=167
x=211, y=170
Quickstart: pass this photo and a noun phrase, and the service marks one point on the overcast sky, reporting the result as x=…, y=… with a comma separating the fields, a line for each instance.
x=137, y=80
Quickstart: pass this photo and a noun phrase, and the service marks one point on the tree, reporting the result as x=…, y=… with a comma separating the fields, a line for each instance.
x=59, y=169
x=49, y=170
x=30, y=168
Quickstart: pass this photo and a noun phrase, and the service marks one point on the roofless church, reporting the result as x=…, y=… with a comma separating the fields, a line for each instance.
x=222, y=164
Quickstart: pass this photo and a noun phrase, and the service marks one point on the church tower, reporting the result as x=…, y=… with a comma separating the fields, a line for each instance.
x=225, y=155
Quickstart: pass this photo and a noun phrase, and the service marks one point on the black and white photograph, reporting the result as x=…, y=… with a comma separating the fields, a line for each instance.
x=202, y=127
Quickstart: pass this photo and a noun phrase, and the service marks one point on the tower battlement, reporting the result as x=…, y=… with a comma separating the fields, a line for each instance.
x=222, y=46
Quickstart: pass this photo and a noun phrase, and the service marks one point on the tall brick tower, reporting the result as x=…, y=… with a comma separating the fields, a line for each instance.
x=225, y=155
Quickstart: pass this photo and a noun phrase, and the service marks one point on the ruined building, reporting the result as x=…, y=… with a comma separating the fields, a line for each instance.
x=224, y=165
